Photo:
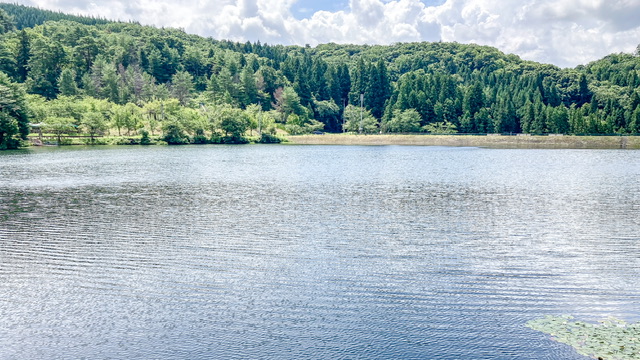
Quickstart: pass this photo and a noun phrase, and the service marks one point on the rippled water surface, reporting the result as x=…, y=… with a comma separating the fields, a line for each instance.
x=294, y=252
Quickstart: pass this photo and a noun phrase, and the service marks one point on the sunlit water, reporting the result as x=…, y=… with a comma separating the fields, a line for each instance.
x=290, y=252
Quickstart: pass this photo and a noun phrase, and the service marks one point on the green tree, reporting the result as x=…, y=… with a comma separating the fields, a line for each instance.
x=45, y=65
x=359, y=81
x=404, y=121
x=584, y=93
x=288, y=103
x=6, y=22
x=359, y=120
x=174, y=133
x=270, y=81
x=153, y=113
x=120, y=118
x=234, y=123
x=67, y=83
x=473, y=99
x=182, y=87
x=86, y=52
x=558, y=120
x=302, y=87
x=7, y=61
x=144, y=139
x=634, y=123
x=163, y=63
x=60, y=126
x=94, y=123
x=23, y=54
x=483, y=121
x=14, y=120
x=328, y=113
x=8, y=131
x=249, y=87
x=378, y=89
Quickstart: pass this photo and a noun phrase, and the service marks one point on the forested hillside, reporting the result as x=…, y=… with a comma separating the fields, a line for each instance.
x=93, y=76
x=27, y=17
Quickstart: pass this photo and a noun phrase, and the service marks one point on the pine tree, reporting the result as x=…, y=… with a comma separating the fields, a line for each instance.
x=302, y=88
x=45, y=66
x=67, y=83
x=22, y=56
x=359, y=80
x=378, y=89
x=182, y=87
x=249, y=87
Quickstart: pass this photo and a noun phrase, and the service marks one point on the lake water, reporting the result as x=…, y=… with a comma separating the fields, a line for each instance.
x=311, y=252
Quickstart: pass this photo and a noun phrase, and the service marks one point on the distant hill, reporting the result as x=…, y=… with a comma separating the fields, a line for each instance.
x=28, y=17
x=405, y=87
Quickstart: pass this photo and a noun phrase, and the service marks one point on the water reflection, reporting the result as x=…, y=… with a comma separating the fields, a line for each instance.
x=311, y=252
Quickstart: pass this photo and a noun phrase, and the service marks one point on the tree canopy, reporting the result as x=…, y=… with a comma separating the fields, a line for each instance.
x=430, y=87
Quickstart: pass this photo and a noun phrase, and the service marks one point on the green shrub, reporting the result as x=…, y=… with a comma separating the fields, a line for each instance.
x=216, y=139
x=267, y=138
x=200, y=137
x=174, y=135
x=144, y=140
x=126, y=141
x=234, y=139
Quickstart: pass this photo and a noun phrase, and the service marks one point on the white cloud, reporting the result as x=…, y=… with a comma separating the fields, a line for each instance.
x=566, y=32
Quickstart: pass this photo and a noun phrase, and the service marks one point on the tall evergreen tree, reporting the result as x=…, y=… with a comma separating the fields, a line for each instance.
x=359, y=80
x=249, y=87
x=182, y=87
x=22, y=56
x=45, y=65
x=67, y=83
x=378, y=89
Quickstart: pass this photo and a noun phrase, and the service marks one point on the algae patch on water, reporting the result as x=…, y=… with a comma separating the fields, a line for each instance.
x=610, y=339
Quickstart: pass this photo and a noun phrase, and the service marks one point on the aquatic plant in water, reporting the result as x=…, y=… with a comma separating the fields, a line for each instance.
x=612, y=339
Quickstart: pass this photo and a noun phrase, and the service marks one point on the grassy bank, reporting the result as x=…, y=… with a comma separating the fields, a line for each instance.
x=489, y=141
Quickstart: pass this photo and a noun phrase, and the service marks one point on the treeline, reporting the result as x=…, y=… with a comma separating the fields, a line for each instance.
x=411, y=87
x=28, y=17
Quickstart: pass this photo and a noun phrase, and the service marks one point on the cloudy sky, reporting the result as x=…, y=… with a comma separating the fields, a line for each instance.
x=561, y=32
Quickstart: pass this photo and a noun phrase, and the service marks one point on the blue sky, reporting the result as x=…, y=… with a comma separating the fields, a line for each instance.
x=305, y=8
x=561, y=32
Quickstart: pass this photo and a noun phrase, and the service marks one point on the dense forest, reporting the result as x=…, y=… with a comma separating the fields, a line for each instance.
x=71, y=74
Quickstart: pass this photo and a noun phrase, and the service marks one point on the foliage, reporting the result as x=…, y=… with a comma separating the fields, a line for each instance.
x=60, y=126
x=174, y=134
x=29, y=17
x=145, y=77
x=404, y=121
x=297, y=125
x=440, y=128
x=266, y=138
x=145, y=140
x=14, y=119
x=233, y=122
x=359, y=120
x=612, y=339
x=8, y=132
x=95, y=123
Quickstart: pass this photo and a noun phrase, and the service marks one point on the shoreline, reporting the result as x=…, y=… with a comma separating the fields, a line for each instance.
x=492, y=141
x=496, y=141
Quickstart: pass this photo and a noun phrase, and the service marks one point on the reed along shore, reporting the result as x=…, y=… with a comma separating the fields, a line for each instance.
x=489, y=141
